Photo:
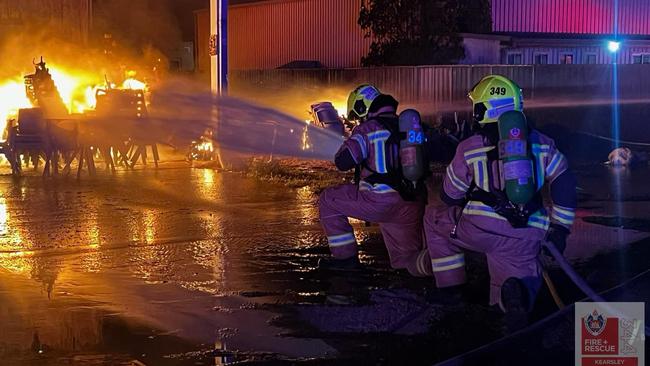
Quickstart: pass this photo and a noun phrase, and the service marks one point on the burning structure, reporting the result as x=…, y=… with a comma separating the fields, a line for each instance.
x=60, y=95
x=74, y=124
x=43, y=93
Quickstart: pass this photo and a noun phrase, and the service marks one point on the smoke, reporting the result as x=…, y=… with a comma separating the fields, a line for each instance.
x=296, y=100
x=133, y=35
x=131, y=39
x=139, y=24
x=137, y=35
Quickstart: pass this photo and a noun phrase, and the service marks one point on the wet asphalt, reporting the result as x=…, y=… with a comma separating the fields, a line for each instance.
x=183, y=266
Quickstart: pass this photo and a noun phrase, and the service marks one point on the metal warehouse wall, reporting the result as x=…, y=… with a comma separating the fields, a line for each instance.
x=571, y=16
x=271, y=34
x=68, y=18
x=445, y=85
x=561, y=91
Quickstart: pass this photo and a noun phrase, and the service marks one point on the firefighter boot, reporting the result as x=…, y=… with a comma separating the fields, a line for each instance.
x=335, y=264
x=447, y=296
x=515, y=302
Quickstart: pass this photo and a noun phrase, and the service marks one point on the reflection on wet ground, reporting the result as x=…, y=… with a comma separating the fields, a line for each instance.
x=181, y=251
x=190, y=266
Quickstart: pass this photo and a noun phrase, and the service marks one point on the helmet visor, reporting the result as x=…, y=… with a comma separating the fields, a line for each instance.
x=479, y=112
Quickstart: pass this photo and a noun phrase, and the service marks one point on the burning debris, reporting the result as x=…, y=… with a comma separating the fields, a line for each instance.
x=59, y=93
x=55, y=116
x=13, y=99
x=203, y=148
x=129, y=103
x=43, y=93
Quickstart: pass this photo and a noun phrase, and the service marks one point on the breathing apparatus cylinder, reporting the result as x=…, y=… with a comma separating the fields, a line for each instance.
x=515, y=156
x=411, y=142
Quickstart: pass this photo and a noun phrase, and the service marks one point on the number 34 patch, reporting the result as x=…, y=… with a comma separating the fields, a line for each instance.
x=497, y=91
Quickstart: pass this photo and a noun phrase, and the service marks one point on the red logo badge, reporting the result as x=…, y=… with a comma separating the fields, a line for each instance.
x=599, y=334
x=595, y=323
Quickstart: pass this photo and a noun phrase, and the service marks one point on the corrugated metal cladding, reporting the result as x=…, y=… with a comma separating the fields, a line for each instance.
x=69, y=18
x=269, y=35
x=571, y=16
x=445, y=85
x=436, y=89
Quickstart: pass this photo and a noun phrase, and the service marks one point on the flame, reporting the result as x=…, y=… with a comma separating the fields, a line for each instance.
x=91, y=96
x=305, y=142
x=133, y=84
x=77, y=89
x=12, y=98
x=73, y=88
x=205, y=146
x=341, y=108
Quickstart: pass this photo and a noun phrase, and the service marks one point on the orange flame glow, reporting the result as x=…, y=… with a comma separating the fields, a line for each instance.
x=133, y=84
x=77, y=89
x=205, y=146
x=73, y=88
x=341, y=108
x=12, y=98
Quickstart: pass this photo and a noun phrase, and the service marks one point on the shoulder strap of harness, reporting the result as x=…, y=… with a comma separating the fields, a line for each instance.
x=497, y=199
x=389, y=123
x=394, y=176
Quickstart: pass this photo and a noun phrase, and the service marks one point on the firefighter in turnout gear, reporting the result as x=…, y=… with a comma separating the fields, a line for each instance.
x=492, y=202
x=381, y=193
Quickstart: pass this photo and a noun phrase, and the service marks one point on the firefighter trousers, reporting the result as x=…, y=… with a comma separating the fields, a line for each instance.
x=510, y=252
x=400, y=223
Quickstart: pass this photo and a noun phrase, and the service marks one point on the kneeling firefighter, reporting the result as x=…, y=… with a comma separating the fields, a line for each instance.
x=386, y=151
x=492, y=201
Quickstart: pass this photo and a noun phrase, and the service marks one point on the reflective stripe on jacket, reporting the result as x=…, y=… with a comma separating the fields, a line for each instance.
x=471, y=166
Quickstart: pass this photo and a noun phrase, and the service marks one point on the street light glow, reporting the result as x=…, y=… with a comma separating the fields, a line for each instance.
x=613, y=46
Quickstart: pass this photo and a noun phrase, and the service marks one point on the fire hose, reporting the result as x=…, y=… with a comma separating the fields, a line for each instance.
x=575, y=278
x=573, y=275
x=623, y=142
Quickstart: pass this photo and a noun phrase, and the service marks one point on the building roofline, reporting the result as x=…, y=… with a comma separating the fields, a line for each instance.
x=574, y=36
x=488, y=36
x=555, y=42
x=261, y=2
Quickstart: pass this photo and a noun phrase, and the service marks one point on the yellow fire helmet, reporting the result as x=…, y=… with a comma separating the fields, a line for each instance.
x=360, y=100
x=494, y=95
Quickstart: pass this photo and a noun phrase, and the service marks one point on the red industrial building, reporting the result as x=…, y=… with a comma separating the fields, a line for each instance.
x=270, y=34
x=572, y=31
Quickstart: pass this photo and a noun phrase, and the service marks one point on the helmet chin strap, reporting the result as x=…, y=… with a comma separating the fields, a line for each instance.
x=490, y=132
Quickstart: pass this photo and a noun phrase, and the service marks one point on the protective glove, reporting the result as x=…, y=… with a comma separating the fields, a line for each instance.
x=557, y=235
